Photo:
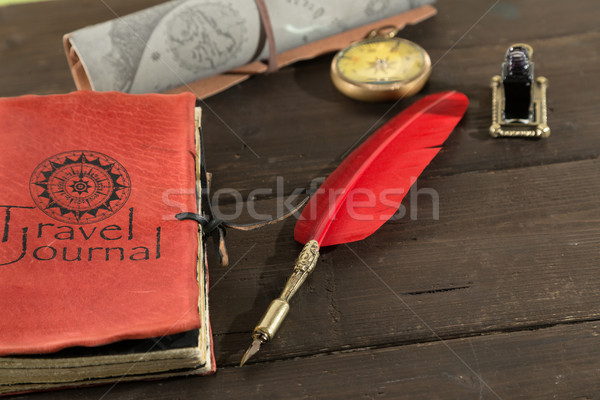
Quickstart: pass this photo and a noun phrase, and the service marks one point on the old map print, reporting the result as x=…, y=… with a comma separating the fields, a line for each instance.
x=186, y=40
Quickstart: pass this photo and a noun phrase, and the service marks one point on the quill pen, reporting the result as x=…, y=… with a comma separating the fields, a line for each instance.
x=365, y=191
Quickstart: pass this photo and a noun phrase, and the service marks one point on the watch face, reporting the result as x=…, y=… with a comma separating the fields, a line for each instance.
x=383, y=62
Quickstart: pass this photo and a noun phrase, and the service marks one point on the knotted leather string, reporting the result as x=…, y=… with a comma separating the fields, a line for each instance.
x=215, y=227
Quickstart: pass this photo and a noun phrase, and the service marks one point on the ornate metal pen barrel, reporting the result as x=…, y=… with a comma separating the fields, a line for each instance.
x=272, y=318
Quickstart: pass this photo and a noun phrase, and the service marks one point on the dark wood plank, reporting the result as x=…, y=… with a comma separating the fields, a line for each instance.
x=511, y=250
x=555, y=363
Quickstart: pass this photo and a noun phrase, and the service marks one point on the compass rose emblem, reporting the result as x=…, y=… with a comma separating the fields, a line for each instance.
x=80, y=187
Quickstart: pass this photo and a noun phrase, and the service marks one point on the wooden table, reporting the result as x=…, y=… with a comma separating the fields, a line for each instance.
x=499, y=298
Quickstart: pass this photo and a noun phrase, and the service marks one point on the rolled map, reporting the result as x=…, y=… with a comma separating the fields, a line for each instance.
x=182, y=41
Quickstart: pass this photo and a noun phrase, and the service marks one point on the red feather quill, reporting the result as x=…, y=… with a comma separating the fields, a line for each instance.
x=369, y=185
x=365, y=191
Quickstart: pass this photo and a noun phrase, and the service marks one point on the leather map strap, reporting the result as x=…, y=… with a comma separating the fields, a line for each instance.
x=266, y=22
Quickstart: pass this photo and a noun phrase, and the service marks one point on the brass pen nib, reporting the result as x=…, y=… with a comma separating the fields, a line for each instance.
x=252, y=350
x=271, y=320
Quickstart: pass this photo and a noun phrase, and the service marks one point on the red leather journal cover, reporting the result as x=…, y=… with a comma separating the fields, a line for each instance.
x=90, y=252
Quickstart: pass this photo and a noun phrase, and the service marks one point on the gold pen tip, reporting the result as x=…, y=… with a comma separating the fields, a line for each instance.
x=252, y=350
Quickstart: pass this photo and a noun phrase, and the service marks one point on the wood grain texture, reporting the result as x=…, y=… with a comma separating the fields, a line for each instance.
x=547, y=363
x=498, y=298
x=510, y=251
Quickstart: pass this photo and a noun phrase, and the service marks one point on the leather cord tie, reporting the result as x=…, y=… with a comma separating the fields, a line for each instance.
x=215, y=227
x=212, y=227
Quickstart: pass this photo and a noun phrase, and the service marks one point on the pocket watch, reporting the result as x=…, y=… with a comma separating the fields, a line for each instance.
x=381, y=67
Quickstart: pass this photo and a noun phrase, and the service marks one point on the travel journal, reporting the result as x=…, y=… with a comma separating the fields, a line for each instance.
x=99, y=282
